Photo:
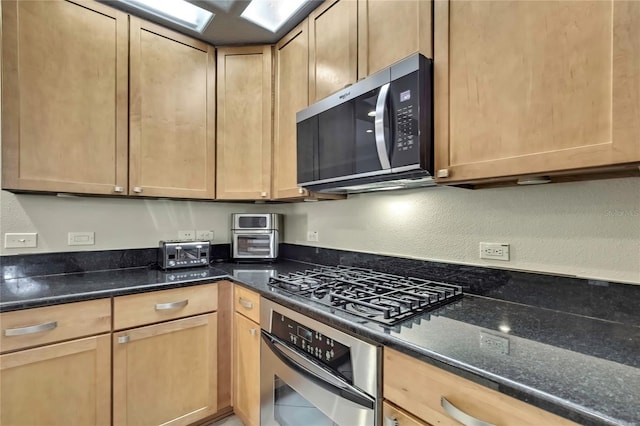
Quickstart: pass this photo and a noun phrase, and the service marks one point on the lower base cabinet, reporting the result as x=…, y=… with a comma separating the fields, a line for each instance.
x=60, y=384
x=434, y=396
x=166, y=373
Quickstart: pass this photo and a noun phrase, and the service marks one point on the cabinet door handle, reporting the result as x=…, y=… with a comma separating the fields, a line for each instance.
x=30, y=329
x=124, y=339
x=390, y=421
x=252, y=331
x=460, y=415
x=118, y=189
x=245, y=303
x=137, y=189
x=171, y=305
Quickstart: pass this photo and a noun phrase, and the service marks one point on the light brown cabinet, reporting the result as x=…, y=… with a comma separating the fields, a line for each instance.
x=246, y=356
x=64, y=97
x=56, y=383
x=172, y=114
x=244, y=123
x=333, y=47
x=389, y=31
x=166, y=373
x=526, y=88
x=403, y=386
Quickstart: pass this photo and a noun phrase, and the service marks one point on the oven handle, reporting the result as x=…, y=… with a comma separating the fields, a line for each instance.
x=315, y=373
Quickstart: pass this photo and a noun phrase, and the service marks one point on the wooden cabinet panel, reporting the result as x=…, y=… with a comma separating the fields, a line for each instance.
x=247, y=303
x=57, y=323
x=404, y=379
x=64, y=97
x=246, y=379
x=391, y=30
x=333, y=47
x=244, y=123
x=292, y=95
x=166, y=373
x=146, y=308
x=63, y=384
x=535, y=87
x=395, y=416
x=172, y=117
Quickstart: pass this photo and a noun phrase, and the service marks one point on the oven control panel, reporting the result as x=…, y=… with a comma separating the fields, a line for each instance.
x=310, y=341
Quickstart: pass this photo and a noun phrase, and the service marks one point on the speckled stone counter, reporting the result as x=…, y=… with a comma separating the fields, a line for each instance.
x=578, y=366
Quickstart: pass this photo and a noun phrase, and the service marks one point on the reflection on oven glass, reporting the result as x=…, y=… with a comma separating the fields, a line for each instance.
x=292, y=409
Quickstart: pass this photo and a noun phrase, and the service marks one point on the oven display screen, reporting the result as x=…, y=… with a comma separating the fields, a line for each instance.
x=333, y=354
x=252, y=222
x=305, y=334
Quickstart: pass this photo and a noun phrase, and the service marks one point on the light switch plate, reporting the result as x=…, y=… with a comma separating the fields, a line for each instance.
x=81, y=238
x=24, y=240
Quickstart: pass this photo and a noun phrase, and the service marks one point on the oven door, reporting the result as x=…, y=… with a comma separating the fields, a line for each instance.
x=297, y=391
x=255, y=245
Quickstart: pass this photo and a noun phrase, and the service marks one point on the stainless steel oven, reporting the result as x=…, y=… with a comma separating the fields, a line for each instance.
x=312, y=374
x=255, y=236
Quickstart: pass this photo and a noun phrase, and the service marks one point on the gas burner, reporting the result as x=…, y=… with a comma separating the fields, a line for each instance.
x=377, y=296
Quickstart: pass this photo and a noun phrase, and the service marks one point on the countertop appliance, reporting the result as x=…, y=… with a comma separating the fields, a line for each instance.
x=312, y=374
x=374, y=135
x=255, y=236
x=183, y=254
x=376, y=296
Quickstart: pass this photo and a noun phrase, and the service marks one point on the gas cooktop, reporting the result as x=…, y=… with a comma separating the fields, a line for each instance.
x=377, y=296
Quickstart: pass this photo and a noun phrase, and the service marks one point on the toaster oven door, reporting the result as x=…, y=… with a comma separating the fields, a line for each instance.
x=255, y=245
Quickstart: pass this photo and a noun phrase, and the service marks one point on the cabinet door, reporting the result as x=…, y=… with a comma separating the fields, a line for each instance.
x=393, y=415
x=166, y=373
x=292, y=95
x=64, y=97
x=244, y=123
x=333, y=47
x=172, y=120
x=535, y=87
x=246, y=377
x=391, y=30
x=63, y=384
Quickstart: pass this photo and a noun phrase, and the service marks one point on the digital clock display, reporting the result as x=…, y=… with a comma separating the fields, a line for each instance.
x=305, y=334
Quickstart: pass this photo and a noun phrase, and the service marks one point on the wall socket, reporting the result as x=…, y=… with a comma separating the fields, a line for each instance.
x=494, y=251
x=204, y=235
x=312, y=236
x=187, y=235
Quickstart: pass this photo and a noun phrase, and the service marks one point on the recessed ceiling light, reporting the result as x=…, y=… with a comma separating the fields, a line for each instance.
x=271, y=14
x=179, y=12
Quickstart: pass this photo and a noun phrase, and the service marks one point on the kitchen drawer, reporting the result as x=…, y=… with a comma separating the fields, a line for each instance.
x=247, y=303
x=147, y=308
x=392, y=415
x=39, y=326
x=418, y=388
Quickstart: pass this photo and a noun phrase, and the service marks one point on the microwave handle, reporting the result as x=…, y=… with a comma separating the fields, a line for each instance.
x=381, y=144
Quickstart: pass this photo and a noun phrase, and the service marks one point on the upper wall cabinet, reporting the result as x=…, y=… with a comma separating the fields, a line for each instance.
x=244, y=123
x=172, y=114
x=535, y=87
x=333, y=45
x=64, y=97
x=389, y=31
x=291, y=83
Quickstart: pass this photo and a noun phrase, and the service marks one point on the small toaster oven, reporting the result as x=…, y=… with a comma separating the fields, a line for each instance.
x=183, y=254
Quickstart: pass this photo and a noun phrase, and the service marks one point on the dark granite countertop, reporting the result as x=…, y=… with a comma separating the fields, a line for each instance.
x=580, y=367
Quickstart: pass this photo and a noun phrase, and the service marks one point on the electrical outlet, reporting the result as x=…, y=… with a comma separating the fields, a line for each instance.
x=494, y=251
x=312, y=236
x=81, y=238
x=24, y=240
x=187, y=235
x=204, y=235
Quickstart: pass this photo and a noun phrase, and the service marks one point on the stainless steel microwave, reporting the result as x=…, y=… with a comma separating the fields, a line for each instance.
x=255, y=236
x=374, y=135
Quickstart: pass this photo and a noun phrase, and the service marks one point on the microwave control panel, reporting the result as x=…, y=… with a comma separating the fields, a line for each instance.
x=324, y=349
x=406, y=130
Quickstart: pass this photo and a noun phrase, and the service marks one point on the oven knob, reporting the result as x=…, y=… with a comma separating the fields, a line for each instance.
x=295, y=340
x=331, y=353
x=328, y=355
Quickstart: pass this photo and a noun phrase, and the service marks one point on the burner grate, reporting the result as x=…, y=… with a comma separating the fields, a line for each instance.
x=377, y=296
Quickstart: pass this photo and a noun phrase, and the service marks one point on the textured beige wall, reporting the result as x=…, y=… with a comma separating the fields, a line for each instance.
x=588, y=229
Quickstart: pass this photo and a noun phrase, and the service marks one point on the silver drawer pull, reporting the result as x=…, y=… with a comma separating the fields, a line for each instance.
x=31, y=329
x=124, y=339
x=252, y=331
x=172, y=305
x=460, y=415
x=245, y=303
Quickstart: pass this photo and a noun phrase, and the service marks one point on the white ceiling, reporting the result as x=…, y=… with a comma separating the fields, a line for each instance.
x=226, y=28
